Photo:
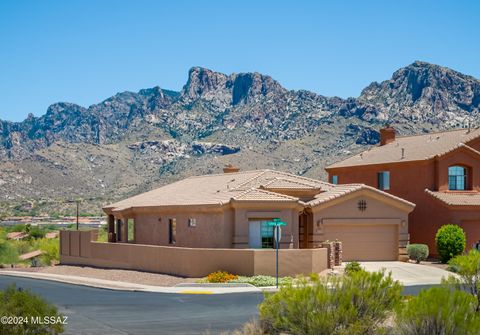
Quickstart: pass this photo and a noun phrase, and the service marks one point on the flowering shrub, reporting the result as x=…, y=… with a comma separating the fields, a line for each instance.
x=220, y=277
x=263, y=280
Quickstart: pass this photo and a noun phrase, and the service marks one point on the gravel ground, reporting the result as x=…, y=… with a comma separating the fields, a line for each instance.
x=129, y=276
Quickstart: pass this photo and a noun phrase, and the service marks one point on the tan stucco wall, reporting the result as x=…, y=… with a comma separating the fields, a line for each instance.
x=189, y=262
x=347, y=212
x=225, y=227
x=212, y=230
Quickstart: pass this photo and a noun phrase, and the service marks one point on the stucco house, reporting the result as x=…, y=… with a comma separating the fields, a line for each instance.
x=230, y=210
x=439, y=172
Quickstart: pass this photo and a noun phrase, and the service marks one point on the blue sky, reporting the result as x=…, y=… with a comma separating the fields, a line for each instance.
x=86, y=51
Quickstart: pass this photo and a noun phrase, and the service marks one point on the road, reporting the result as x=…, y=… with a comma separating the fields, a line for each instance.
x=101, y=311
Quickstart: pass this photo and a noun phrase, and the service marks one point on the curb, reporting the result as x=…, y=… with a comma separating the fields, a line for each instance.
x=130, y=287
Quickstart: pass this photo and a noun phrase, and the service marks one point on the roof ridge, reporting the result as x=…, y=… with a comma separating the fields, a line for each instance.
x=304, y=178
x=264, y=191
x=438, y=132
x=250, y=179
x=288, y=180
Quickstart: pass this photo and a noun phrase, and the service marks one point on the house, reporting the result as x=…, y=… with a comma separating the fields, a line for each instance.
x=231, y=210
x=50, y=235
x=439, y=172
x=16, y=235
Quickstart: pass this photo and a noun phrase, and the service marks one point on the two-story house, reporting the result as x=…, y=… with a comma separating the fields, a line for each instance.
x=439, y=172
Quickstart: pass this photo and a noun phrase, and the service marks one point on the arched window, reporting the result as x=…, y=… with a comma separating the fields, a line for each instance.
x=457, y=178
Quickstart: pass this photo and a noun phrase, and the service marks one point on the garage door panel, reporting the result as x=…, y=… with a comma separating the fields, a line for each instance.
x=365, y=242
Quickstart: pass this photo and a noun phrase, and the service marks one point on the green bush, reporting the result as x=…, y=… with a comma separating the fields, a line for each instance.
x=37, y=232
x=468, y=268
x=450, y=241
x=417, y=252
x=50, y=249
x=262, y=280
x=438, y=310
x=8, y=253
x=355, y=304
x=23, y=303
x=352, y=267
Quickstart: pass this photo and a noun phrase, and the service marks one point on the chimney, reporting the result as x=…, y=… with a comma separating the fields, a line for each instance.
x=229, y=168
x=387, y=135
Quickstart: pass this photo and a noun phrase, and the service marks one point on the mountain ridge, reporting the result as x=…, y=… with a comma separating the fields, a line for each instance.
x=134, y=141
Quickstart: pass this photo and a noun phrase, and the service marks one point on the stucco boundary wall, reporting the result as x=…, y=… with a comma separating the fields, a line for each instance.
x=81, y=248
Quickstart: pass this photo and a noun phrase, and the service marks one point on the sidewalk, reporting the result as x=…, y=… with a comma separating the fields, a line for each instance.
x=124, y=286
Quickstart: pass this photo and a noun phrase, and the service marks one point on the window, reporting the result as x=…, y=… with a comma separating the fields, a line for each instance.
x=335, y=179
x=266, y=232
x=192, y=222
x=172, y=231
x=383, y=180
x=457, y=178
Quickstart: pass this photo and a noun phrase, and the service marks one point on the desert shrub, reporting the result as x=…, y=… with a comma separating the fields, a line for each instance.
x=355, y=304
x=417, y=252
x=468, y=268
x=263, y=280
x=16, y=302
x=450, y=241
x=50, y=249
x=220, y=277
x=352, y=267
x=438, y=310
x=8, y=253
x=37, y=232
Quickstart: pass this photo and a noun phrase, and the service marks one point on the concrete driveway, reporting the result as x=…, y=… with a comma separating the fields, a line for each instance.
x=410, y=274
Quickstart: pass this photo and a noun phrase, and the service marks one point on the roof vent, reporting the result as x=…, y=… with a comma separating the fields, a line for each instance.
x=403, y=153
x=229, y=168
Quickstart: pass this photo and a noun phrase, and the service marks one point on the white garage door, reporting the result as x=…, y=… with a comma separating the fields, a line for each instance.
x=365, y=242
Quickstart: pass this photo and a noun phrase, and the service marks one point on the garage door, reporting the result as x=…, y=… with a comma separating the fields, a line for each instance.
x=365, y=242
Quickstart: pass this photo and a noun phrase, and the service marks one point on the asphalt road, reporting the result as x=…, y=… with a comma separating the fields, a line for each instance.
x=100, y=311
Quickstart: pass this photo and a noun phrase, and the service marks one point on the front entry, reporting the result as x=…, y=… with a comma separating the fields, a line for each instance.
x=260, y=235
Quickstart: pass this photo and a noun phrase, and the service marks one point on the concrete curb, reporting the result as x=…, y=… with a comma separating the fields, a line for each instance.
x=132, y=287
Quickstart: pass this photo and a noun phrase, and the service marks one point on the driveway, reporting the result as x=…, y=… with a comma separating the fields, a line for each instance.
x=409, y=274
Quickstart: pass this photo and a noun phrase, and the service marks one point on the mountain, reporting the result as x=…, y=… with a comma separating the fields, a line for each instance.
x=133, y=142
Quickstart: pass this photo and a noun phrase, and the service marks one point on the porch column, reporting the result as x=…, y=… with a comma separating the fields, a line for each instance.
x=125, y=230
x=119, y=230
x=111, y=228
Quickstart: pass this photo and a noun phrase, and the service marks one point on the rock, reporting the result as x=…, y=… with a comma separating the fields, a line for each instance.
x=201, y=148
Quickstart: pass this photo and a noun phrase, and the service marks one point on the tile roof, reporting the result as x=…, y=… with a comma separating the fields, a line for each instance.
x=283, y=183
x=29, y=255
x=418, y=147
x=344, y=189
x=456, y=198
x=220, y=189
x=255, y=194
x=16, y=235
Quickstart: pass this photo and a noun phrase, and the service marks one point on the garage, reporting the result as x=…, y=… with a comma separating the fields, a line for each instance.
x=364, y=242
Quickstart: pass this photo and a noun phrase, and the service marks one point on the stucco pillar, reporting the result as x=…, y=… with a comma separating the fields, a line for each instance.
x=111, y=228
x=119, y=230
x=125, y=230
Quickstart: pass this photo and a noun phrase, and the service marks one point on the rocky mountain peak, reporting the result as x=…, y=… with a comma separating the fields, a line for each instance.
x=249, y=85
x=202, y=81
x=425, y=91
